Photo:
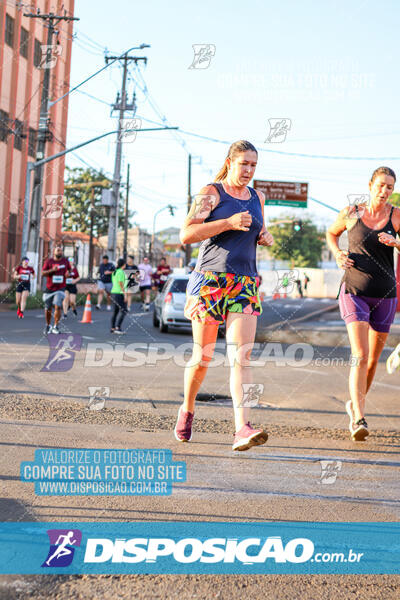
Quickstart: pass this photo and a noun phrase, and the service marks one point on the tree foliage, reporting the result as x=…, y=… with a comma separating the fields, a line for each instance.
x=302, y=248
x=76, y=209
x=395, y=199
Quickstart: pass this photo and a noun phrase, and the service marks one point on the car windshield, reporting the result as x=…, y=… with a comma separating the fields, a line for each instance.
x=178, y=285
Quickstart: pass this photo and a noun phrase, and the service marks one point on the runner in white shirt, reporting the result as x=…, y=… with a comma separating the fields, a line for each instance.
x=146, y=271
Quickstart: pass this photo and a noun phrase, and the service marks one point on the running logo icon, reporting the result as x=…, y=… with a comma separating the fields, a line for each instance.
x=278, y=129
x=357, y=204
x=97, y=397
x=252, y=393
x=62, y=351
x=203, y=54
x=329, y=471
x=129, y=129
x=53, y=206
x=287, y=282
x=62, y=542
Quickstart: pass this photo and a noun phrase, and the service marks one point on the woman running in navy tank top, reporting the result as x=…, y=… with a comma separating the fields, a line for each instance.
x=367, y=297
x=228, y=218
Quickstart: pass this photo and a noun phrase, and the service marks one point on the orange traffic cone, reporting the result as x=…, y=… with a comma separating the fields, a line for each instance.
x=87, y=313
x=276, y=296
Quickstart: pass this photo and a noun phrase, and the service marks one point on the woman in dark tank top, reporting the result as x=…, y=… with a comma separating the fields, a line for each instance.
x=227, y=217
x=367, y=296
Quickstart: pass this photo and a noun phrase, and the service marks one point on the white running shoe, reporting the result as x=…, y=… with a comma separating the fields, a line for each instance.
x=108, y=307
x=393, y=362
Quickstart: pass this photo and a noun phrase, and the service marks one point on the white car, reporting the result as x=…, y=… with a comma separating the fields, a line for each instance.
x=169, y=305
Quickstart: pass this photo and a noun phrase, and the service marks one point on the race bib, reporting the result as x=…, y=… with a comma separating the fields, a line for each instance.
x=163, y=278
x=24, y=277
x=57, y=279
x=68, y=280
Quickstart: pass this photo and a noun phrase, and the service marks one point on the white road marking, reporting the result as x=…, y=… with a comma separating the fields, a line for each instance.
x=388, y=385
x=310, y=371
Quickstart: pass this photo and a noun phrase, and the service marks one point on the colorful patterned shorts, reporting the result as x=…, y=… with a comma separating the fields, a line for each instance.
x=210, y=296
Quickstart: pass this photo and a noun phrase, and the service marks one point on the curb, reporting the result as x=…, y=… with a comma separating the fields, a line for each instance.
x=285, y=333
x=282, y=327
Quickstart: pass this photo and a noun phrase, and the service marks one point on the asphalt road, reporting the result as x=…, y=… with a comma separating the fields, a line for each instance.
x=302, y=408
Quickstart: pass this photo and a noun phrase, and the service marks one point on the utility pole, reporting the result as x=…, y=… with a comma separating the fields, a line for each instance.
x=121, y=105
x=51, y=21
x=126, y=216
x=188, y=248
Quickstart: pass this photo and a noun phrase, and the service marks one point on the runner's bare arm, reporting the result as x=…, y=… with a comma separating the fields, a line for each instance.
x=332, y=238
x=392, y=240
x=195, y=230
x=265, y=238
x=49, y=271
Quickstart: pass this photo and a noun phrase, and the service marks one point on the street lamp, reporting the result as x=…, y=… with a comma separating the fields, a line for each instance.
x=171, y=210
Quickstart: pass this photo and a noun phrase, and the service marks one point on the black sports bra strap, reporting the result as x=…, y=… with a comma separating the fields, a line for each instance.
x=357, y=213
x=391, y=213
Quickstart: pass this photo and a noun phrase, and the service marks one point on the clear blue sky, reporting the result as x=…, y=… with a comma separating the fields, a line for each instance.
x=330, y=67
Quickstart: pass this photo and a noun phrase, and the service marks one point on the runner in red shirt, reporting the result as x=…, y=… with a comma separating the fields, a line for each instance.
x=71, y=289
x=56, y=270
x=161, y=275
x=23, y=274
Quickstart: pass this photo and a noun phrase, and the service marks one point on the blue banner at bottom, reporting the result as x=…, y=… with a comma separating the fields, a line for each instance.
x=195, y=548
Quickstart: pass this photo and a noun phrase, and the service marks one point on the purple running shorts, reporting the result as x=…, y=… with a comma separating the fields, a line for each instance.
x=378, y=312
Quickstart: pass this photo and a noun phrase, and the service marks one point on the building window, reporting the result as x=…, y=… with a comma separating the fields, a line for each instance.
x=32, y=139
x=4, y=127
x=18, y=134
x=12, y=233
x=9, y=31
x=37, y=53
x=24, y=43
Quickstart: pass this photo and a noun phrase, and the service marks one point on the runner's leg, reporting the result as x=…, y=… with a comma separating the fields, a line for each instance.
x=358, y=336
x=18, y=301
x=72, y=301
x=116, y=311
x=376, y=341
x=48, y=312
x=108, y=298
x=204, y=338
x=240, y=334
x=24, y=297
x=100, y=294
x=66, y=302
x=123, y=311
x=57, y=314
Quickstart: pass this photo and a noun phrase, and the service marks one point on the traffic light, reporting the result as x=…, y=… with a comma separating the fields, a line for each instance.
x=297, y=225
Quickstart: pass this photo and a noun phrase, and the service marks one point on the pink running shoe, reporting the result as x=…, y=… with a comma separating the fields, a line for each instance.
x=247, y=437
x=183, y=427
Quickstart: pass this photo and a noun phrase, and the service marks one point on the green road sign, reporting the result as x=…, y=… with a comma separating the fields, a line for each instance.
x=283, y=193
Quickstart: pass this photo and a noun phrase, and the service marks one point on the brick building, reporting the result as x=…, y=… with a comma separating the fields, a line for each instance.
x=22, y=67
